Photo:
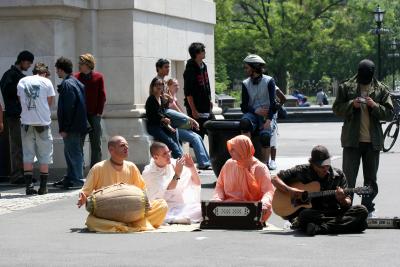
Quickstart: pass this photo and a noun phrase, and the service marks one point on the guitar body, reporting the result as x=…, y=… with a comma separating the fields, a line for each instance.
x=283, y=205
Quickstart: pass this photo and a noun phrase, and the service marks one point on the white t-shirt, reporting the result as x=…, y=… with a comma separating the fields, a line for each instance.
x=33, y=92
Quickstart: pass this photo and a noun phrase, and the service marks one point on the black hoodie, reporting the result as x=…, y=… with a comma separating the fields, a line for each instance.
x=8, y=85
x=197, y=85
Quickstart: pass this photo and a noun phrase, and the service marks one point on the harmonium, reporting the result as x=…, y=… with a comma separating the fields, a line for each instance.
x=245, y=215
x=384, y=223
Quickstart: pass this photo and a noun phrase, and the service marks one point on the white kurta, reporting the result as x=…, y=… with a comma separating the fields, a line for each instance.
x=183, y=201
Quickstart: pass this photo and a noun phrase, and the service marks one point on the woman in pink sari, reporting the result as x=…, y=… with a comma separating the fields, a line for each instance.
x=245, y=178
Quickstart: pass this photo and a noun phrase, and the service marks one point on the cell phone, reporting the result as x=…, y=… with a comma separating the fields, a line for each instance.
x=362, y=100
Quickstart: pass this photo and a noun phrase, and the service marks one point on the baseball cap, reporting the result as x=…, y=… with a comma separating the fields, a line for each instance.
x=320, y=156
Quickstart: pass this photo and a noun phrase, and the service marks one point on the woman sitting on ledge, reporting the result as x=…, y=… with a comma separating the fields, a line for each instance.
x=187, y=135
x=245, y=178
x=158, y=123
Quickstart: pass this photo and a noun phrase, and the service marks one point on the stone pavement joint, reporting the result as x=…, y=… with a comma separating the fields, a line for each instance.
x=10, y=202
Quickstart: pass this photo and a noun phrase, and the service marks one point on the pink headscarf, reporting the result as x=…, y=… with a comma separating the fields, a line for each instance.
x=244, y=157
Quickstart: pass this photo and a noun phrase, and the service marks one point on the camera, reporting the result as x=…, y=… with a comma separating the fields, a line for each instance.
x=362, y=100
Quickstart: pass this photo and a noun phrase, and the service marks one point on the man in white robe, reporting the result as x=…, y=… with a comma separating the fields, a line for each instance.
x=175, y=181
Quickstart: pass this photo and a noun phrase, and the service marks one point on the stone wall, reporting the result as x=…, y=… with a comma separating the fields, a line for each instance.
x=126, y=37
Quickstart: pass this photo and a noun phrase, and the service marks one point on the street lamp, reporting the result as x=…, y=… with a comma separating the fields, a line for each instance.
x=378, y=15
x=393, y=48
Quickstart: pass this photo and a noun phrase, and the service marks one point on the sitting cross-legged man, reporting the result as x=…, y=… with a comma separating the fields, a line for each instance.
x=245, y=178
x=114, y=171
x=330, y=214
x=176, y=181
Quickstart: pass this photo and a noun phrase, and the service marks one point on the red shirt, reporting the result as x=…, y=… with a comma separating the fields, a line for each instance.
x=94, y=90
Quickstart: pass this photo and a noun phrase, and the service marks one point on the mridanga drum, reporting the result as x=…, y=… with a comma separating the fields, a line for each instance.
x=120, y=202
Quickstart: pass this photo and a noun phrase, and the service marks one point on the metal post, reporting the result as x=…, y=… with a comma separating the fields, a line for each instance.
x=393, y=70
x=379, y=54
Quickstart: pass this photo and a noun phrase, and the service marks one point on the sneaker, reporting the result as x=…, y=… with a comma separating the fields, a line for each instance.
x=59, y=182
x=372, y=214
x=30, y=190
x=272, y=165
x=71, y=185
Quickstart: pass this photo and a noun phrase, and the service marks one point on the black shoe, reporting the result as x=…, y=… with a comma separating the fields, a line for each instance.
x=29, y=188
x=30, y=191
x=205, y=168
x=312, y=229
x=59, y=182
x=70, y=185
x=43, y=186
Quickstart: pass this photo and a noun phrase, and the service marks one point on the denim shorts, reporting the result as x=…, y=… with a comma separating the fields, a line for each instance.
x=35, y=143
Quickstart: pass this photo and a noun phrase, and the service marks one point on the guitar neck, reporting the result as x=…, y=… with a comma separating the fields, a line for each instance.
x=328, y=193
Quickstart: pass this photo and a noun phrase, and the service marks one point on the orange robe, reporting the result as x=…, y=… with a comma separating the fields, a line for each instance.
x=103, y=174
x=245, y=178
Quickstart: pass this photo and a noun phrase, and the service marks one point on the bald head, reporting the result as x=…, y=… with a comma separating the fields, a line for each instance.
x=118, y=148
x=155, y=147
x=115, y=140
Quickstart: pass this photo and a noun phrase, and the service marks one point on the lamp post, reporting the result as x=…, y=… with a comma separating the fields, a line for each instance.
x=378, y=15
x=393, y=48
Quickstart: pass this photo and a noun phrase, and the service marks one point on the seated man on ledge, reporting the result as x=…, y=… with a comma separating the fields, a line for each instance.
x=176, y=181
x=114, y=171
x=330, y=214
x=244, y=178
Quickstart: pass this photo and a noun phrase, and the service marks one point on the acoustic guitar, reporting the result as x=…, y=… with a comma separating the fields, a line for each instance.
x=287, y=207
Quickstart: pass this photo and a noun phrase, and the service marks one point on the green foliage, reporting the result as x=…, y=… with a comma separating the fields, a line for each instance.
x=301, y=40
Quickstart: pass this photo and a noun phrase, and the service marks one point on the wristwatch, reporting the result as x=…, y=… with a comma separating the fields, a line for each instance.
x=176, y=177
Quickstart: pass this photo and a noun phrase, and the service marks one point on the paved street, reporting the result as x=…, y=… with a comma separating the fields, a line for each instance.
x=47, y=230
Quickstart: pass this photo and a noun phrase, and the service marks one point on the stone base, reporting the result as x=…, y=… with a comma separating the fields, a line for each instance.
x=127, y=123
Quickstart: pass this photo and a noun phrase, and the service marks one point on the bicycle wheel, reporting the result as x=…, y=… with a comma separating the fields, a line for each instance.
x=390, y=135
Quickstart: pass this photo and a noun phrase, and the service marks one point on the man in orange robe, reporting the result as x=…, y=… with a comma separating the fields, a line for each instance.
x=114, y=171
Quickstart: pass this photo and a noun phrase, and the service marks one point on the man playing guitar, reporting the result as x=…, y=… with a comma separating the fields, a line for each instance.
x=330, y=214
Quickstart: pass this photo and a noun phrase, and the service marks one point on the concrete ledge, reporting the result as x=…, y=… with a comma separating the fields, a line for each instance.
x=41, y=3
x=58, y=12
x=296, y=114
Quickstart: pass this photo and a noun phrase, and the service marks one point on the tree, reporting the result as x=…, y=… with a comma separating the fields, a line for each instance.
x=306, y=39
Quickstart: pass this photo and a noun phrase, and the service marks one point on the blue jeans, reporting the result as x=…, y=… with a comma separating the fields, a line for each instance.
x=202, y=157
x=178, y=119
x=257, y=123
x=73, y=153
x=170, y=139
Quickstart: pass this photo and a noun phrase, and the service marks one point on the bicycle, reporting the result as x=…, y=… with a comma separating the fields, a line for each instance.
x=392, y=130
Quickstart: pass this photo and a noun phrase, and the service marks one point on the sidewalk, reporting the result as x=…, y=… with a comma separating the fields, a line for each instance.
x=50, y=233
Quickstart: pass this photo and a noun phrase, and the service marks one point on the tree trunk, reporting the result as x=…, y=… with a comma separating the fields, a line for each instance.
x=281, y=79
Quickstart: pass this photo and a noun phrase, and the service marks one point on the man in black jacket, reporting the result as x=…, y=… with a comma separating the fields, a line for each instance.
x=72, y=122
x=12, y=123
x=330, y=214
x=197, y=87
